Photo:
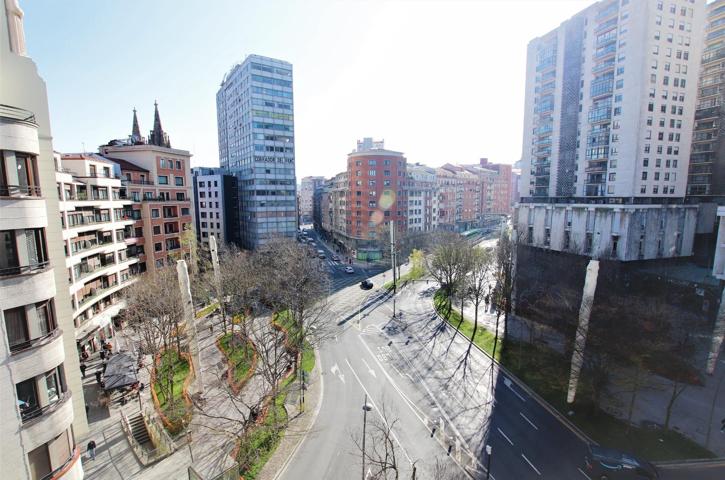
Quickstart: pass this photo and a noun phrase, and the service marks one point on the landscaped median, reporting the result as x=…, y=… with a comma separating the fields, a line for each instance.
x=170, y=381
x=405, y=278
x=546, y=372
x=242, y=359
x=261, y=440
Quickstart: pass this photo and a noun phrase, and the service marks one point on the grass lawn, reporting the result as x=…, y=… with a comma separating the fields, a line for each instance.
x=170, y=359
x=411, y=275
x=262, y=441
x=207, y=310
x=239, y=352
x=484, y=339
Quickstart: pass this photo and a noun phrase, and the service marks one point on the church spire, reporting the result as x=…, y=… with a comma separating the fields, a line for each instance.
x=157, y=136
x=135, y=130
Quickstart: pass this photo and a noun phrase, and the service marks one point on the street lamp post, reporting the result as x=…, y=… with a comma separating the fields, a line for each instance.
x=366, y=408
x=489, y=449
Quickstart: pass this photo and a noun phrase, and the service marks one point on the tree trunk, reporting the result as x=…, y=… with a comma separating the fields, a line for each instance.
x=635, y=389
x=495, y=335
x=476, y=302
x=673, y=398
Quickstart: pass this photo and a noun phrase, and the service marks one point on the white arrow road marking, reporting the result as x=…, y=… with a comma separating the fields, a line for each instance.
x=372, y=372
x=336, y=371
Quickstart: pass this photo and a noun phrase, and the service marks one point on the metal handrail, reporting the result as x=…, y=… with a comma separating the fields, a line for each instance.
x=35, y=342
x=24, y=269
x=19, y=191
x=15, y=113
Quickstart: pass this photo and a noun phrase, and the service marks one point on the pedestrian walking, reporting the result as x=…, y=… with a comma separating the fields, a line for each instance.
x=83, y=370
x=104, y=367
x=91, y=447
x=98, y=376
x=103, y=354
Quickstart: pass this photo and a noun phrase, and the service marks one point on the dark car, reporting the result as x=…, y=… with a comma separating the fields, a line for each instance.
x=366, y=284
x=606, y=463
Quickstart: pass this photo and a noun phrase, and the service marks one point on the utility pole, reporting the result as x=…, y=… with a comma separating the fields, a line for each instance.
x=392, y=260
x=366, y=408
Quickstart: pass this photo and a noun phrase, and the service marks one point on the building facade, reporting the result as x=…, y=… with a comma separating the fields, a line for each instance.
x=216, y=199
x=43, y=405
x=608, y=139
x=97, y=234
x=377, y=181
x=308, y=185
x=157, y=179
x=597, y=124
x=255, y=121
x=422, y=198
x=706, y=176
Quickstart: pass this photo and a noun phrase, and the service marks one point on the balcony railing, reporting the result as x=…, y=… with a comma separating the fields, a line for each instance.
x=35, y=342
x=15, y=113
x=164, y=199
x=19, y=191
x=136, y=182
x=24, y=269
x=37, y=412
x=89, y=221
x=74, y=456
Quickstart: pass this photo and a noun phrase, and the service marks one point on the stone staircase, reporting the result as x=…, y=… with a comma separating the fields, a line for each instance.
x=139, y=431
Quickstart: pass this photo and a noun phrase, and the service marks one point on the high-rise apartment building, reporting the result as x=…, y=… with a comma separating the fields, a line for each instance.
x=43, y=408
x=157, y=179
x=707, y=158
x=609, y=109
x=307, y=192
x=255, y=122
x=98, y=237
x=422, y=198
x=598, y=124
x=216, y=201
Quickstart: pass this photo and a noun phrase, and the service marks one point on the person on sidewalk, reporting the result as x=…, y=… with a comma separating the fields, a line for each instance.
x=98, y=376
x=103, y=354
x=91, y=447
x=83, y=370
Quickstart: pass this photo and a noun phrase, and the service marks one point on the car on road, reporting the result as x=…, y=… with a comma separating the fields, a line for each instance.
x=312, y=243
x=335, y=258
x=349, y=269
x=321, y=254
x=366, y=284
x=607, y=463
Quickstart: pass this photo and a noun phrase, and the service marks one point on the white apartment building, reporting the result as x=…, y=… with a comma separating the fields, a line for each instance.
x=97, y=230
x=609, y=112
x=255, y=122
x=610, y=100
x=422, y=198
x=40, y=387
x=308, y=185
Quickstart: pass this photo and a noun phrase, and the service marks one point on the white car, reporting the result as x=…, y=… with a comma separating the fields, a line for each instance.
x=349, y=270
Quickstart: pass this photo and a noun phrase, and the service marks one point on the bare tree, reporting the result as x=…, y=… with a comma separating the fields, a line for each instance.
x=380, y=452
x=504, y=278
x=445, y=264
x=478, y=281
x=155, y=314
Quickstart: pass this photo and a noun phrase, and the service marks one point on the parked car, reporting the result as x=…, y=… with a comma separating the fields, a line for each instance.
x=349, y=269
x=606, y=463
x=366, y=284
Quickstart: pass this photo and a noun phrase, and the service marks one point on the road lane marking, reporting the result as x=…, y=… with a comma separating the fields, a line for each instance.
x=370, y=397
x=372, y=372
x=527, y=419
x=583, y=473
x=531, y=464
x=504, y=436
x=507, y=382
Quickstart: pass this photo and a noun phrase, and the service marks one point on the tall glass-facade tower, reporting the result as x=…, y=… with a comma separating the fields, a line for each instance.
x=255, y=121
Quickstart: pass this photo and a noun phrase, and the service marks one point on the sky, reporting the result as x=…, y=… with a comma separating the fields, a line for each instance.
x=440, y=80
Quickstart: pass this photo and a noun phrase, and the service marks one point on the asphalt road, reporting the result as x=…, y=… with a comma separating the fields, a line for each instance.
x=445, y=402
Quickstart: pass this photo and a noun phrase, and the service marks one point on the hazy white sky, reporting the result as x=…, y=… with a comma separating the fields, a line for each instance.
x=441, y=81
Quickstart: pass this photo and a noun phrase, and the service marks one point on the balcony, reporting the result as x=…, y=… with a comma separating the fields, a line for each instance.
x=35, y=342
x=85, y=221
x=599, y=115
x=603, y=67
x=24, y=269
x=605, y=52
x=70, y=470
x=596, y=167
x=19, y=114
x=32, y=413
x=19, y=191
x=612, y=22
x=136, y=182
x=600, y=88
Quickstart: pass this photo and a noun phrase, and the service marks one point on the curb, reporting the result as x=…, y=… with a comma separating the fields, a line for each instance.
x=548, y=407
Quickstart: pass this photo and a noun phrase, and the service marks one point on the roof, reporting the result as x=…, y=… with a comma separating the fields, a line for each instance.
x=126, y=165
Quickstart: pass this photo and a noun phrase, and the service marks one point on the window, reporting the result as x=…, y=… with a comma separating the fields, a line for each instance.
x=178, y=164
x=157, y=230
x=179, y=181
x=157, y=247
x=180, y=196
x=155, y=213
x=372, y=173
x=643, y=189
x=644, y=175
x=163, y=180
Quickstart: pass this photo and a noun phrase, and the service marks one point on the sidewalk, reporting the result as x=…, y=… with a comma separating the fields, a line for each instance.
x=299, y=425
